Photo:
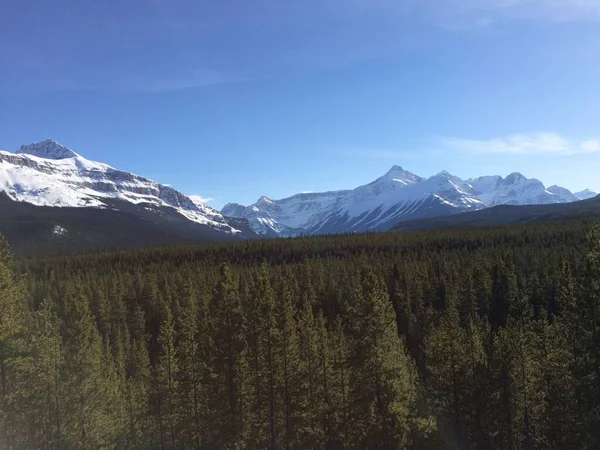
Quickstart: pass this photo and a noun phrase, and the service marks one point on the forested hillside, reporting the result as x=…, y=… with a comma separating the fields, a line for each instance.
x=461, y=339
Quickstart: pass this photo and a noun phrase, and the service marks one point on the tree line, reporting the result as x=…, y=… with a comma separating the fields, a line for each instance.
x=457, y=339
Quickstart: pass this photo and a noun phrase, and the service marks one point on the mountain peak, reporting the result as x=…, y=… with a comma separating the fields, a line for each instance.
x=586, y=194
x=47, y=149
x=265, y=200
x=399, y=174
x=234, y=210
x=588, y=191
x=515, y=177
x=396, y=169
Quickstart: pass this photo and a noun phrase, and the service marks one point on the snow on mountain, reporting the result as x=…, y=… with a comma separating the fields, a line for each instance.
x=397, y=196
x=586, y=194
x=47, y=149
x=562, y=194
x=234, y=210
x=516, y=189
x=48, y=174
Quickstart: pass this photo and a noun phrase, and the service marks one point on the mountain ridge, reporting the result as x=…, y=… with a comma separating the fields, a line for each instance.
x=397, y=196
x=46, y=173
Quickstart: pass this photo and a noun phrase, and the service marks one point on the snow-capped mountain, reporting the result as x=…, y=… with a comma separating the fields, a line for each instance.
x=397, y=196
x=515, y=189
x=586, y=194
x=49, y=174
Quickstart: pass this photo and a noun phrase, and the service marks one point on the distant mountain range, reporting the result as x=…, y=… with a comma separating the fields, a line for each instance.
x=51, y=197
x=396, y=197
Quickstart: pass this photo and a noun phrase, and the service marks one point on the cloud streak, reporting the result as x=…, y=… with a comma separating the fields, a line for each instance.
x=486, y=12
x=200, y=199
x=522, y=144
x=195, y=79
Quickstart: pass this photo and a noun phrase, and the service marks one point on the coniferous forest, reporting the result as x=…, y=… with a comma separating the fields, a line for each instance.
x=457, y=339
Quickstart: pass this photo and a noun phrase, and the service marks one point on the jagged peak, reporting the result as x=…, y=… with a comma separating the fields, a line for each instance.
x=233, y=205
x=397, y=171
x=399, y=174
x=444, y=175
x=264, y=199
x=47, y=149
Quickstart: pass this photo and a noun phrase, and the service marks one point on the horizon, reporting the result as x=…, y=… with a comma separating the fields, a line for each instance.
x=279, y=99
x=211, y=201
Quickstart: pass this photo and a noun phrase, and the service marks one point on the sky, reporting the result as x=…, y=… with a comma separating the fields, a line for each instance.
x=232, y=99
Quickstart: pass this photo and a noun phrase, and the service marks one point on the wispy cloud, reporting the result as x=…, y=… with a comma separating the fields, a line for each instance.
x=195, y=79
x=200, y=199
x=522, y=144
x=486, y=12
x=39, y=79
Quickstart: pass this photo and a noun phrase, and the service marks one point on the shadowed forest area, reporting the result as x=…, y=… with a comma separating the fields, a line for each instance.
x=458, y=339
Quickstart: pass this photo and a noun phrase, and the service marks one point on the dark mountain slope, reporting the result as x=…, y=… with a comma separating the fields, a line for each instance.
x=41, y=230
x=501, y=215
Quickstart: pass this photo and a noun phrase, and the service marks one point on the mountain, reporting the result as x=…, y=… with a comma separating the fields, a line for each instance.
x=516, y=189
x=584, y=195
x=48, y=175
x=509, y=214
x=398, y=196
x=35, y=230
x=52, y=197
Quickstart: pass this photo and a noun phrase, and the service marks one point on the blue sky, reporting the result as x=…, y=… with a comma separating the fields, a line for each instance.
x=236, y=99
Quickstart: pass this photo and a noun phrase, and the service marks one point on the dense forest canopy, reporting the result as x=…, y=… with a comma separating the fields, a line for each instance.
x=459, y=339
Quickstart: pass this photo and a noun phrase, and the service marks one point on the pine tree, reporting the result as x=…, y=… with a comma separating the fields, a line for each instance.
x=190, y=395
x=289, y=370
x=527, y=375
x=14, y=329
x=328, y=409
x=504, y=293
x=262, y=384
x=165, y=379
x=40, y=387
x=87, y=402
x=138, y=382
x=477, y=332
x=382, y=375
x=588, y=338
x=449, y=372
x=113, y=379
x=565, y=296
x=502, y=430
x=226, y=356
x=340, y=384
x=310, y=432
x=559, y=421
